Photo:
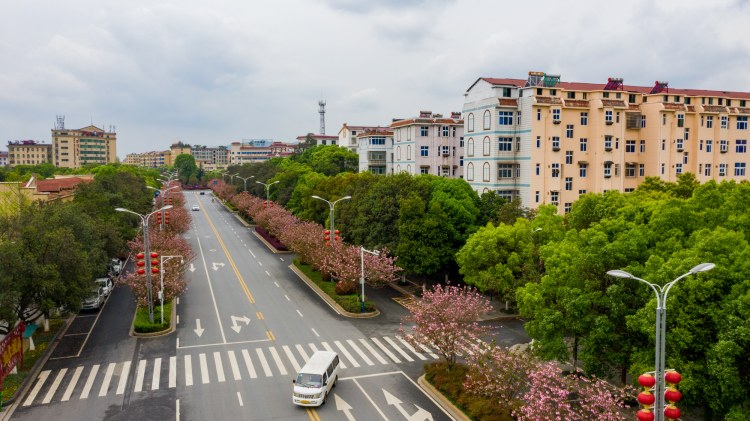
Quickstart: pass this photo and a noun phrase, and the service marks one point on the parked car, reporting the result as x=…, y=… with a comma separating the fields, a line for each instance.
x=106, y=284
x=196, y=208
x=202, y=193
x=95, y=299
x=115, y=266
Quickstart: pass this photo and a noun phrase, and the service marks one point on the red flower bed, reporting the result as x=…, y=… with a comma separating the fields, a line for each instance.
x=271, y=240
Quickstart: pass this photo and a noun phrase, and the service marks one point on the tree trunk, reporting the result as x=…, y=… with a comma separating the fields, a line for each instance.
x=575, y=353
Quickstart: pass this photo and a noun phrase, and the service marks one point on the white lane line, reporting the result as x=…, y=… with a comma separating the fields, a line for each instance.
x=315, y=332
x=177, y=415
x=177, y=300
x=268, y=273
x=156, y=374
x=281, y=258
x=251, y=252
x=39, y=383
x=429, y=351
x=219, y=367
x=107, y=379
x=370, y=399
x=277, y=359
x=55, y=385
x=204, y=368
x=357, y=349
x=328, y=348
x=385, y=350
x=177, y=321
x=249, y=364
x=300, y=313
x=264, y=363
x=260, y=263
x=398, y=349
x=240, y=398
x=411, y=348
x=290, y=355
x=188, y=370
x=89, y=382
x=287, y=297
x=372, y=351
x=277, y=284
x=235, y=367
x=124, y=374
x=72, y=384
x=172, y=372
x=302, y=352
x=346, y=353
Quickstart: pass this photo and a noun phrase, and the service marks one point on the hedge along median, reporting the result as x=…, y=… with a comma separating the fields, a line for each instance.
x=141, y=323
x=350, y=303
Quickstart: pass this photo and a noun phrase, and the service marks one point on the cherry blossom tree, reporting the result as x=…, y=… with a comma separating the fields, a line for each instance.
x=445, y=318
x=501, y=374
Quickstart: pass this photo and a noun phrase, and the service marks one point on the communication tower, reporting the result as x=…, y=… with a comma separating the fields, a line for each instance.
x=322, y=111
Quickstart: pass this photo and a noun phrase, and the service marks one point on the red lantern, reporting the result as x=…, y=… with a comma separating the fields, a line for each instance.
x=140, y=263
x=154, y=269
x=140, y=255
x=158, y=218
x=336, y=234
x=155, y=262
x=646, y=380
x=672, y=395
x=672, y=412
x=154, y=255
x=645, y=415
x=646, y=398
x=672, y=377
x=141, y=271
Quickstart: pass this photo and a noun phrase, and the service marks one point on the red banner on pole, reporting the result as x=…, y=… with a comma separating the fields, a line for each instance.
x=11, y=350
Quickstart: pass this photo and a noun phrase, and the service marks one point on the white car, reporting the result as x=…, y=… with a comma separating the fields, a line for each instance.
x=196, y=208
x=106, y=285
x=94, y=300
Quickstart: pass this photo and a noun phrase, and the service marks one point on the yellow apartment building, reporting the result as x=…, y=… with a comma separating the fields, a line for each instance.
x=547, y=141
x=28, y=152
x=154, y=159
x=89, y=145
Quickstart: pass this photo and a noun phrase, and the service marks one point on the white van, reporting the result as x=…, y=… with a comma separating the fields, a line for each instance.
x=316, y=379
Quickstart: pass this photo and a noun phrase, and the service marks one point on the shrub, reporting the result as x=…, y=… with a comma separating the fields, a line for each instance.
x=142, y=324
x=273, y=241
x=345, y=287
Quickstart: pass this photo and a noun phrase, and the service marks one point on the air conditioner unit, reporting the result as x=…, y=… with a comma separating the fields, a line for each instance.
x=556, y=121
x=609, y=122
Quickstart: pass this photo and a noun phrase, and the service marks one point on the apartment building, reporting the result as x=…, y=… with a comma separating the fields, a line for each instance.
x=375, y=151
x=547, y=141
x=210, y=158
x=28, y=152
x=89, y=145
x=153, y=159
x=429, y=144
x=319, y=139
x=3, y=158
x=250, y=151
x=347, y=137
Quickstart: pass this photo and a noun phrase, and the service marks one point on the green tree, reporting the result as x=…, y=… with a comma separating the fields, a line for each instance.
x=187, y=169
x=329, y=160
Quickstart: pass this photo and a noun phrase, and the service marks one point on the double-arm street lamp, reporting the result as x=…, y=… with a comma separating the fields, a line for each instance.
x=362, y=252
x=147, y=252
x=661, y=328
x=162, y=194
x=161, y=281
x=268, y=187
x=331, y=206
x=245, y=180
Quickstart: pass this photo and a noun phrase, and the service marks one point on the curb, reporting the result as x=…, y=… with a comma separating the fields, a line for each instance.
x=330, y=301
x=447, y=405
x=159, y=334
x=273, y=249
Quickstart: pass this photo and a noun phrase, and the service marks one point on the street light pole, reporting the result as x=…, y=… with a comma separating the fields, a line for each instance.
x=268, y=187
x=161, y=282
x=245, y=180
x=661, y=328
x=362, y=252
x=147, y=252
x=331, y=206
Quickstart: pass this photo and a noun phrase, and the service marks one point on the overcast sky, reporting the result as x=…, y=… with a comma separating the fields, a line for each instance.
x=213, y=72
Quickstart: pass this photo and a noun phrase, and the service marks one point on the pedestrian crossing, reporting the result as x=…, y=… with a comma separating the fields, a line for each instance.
x=203, y=368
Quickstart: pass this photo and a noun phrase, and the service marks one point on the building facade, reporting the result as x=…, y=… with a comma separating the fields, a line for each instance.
x=319, y=139
x=547, y=141
x=3, y=158
x=347, y=137
x=429, y=144
x=258, y=150
x=375, y=151
x=154, y=159
x=28, y=152
x=210, y=158
x=89, y=145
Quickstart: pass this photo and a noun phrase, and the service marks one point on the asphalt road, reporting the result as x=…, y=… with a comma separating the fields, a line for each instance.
x=245, y=326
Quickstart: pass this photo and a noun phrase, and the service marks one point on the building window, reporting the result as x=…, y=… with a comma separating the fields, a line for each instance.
x=680, y=120
x=567, y=207
x=642, y=170
x=486, y=146
x=607, y=143
x=679, y=144
x=424, y=131
x=631, y=98
x=518, y=118
x=582, y=170
x=630, y=169
x=571, y=95
x=538, y=114
x=678, y=168
x=538, y=142
x=740, y=146
x=377, y=140
x=724, y=122
x=470, y=171
x=538, y=169
x=536, y=196
x=424, y=151
x=505, y=118
x=584, y=144
x=408, y=152
x=722, y=170
x=505, y=144
x=739, y=169
x=709, y=122
x=446, y=131
x=742, y=123
x=569, y=131
x=424, y=170
x=556, y=114
x=486, y=171
x=630, y=146
x=556, y=170
x=568, y=183
x=584, y=119
x=723, y=146
x=643, y=146
x=507, y=170
x=487, y=120
x=470, y=148
x=568, y=157
x=709, y=145
x=608, y=169
x=470, y=122
x=685, y=158
x=707, y=170
x=506, y=92
x=555, y=143
x=554, y=197
x=608, y=116
x=581, y=192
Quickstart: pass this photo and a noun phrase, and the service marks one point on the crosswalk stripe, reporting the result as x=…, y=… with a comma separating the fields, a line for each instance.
x=386, y=350
x=107, y=379
x=354, y=346
x=372, y=351
x=233, y=364
x=72, y=383
x=55, y=385
x=39, y=382
x=249, y=364
x=204, y=368
x=398, y=349
x=289, y=355
x=188, y=370
x=140, y=372
x=302, y=352
x=466, y=346
x=411, y=348
x=156, y=374
x=313, y=347
x=90, y=381
x=346, y=353
x=429, y=351
x=124, y=373
x=328, y=348
x=172, y=371
x=264, y=363
x=219, y=367
x=277, y=359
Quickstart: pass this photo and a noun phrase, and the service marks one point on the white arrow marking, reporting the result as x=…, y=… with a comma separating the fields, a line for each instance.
x=344, y=407
x=217, y=265
x=236, y=319
x=192, y=268
x=199, y=330
x=420, y=415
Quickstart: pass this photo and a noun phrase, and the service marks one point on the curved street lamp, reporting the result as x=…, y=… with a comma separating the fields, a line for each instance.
x=661, y=328
x=331, y=206
x=268, y=187
x=245, y=180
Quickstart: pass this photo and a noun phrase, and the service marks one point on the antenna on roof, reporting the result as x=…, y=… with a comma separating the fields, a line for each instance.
x=659, y=86
x=60, y=124
x=614, y=84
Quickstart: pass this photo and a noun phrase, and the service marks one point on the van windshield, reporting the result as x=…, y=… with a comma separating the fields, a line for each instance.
x=309, y=380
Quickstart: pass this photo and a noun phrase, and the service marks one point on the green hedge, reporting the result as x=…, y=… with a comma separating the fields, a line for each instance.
x=142, y=324
x=350, y=302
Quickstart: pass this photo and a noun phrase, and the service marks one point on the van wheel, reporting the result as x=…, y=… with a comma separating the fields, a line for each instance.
x=324, y=399
x=334, y=382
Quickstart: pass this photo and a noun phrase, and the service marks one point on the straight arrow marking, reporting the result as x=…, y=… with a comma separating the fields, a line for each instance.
x=198, y=330
x=343, y=406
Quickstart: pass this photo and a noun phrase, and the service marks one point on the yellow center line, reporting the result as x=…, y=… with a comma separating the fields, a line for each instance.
x=313, y=414
x=259, y=315
x=231, y=261
x=270, y=335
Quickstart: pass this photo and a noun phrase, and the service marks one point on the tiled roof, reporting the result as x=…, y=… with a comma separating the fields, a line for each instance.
x=714, y=109
x=613, y=103
x=508, y=102
x=416, y=120
x=59, y=184
x=674, y=106
x=580, y=103
x=379, y=132
x=551, y=100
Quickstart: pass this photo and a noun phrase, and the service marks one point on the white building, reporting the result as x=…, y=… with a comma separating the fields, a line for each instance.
x=258, y=150
x=375, y=151
x=348, y=135
x=429, y=144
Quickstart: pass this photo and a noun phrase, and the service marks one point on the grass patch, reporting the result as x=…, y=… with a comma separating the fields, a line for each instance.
x=450, y=382
x=142, y=324
x=350, y=302
x=41, y=343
